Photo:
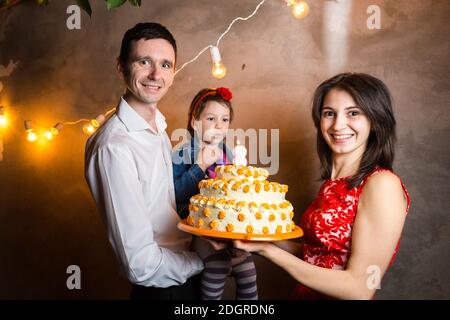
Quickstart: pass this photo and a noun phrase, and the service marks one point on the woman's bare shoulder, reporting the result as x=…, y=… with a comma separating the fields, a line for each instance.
x=383, y=188
x=384, y=178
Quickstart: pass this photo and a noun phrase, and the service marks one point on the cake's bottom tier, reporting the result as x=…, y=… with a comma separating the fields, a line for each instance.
x=246, y=220
x=219, y=235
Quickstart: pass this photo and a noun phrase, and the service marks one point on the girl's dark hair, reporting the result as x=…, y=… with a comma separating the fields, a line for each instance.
x=198, y=104
x=147, y=31
x=374, y=99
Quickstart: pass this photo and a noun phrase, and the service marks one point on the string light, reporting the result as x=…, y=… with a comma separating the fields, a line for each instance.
x=56, y=128
x=3, y=119
x=218, y=69
x=88, y=129
x=94, y=124
x=49, y=134
x=31, y=135
x=300, y=9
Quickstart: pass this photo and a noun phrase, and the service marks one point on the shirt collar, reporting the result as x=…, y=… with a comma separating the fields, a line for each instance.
x=134, y=122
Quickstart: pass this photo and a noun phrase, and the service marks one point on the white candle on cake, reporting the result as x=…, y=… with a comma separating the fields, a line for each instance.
x=239, y=155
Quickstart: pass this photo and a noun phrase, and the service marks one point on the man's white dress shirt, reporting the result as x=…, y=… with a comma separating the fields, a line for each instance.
x=129, y=171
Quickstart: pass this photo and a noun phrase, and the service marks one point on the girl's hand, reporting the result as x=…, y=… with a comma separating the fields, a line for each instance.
x=252, y=246
x=208, y=155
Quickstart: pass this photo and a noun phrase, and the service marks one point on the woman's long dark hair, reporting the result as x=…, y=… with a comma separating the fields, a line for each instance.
x=374, y=99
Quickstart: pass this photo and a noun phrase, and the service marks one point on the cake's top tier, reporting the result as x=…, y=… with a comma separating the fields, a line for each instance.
x=242, y=183
x=231, y=171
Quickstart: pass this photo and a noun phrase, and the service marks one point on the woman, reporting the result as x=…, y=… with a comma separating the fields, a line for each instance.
x=352, y=228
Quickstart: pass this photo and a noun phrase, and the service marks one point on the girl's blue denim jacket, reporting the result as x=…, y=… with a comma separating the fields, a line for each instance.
x=187, y=174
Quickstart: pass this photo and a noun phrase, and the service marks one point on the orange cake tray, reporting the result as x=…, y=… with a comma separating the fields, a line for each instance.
x=296, y=233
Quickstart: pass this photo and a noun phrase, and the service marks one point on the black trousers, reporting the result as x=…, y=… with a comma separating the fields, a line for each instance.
x=190, y=290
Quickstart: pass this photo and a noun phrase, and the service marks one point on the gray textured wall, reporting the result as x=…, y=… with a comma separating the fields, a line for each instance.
x=48, y=220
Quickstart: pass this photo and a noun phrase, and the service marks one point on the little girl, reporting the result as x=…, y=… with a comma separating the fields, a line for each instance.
x=209, y=117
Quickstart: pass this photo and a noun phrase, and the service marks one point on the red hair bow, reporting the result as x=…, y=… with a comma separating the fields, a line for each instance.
x=225, y=93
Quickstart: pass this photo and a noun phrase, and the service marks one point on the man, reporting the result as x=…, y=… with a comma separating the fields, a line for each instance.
x=129, y=171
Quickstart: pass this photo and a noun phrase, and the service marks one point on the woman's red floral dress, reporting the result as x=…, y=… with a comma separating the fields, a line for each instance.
x=327, y=226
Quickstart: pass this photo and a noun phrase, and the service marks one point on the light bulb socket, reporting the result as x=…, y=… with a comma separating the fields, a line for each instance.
x=215, y=54
x=58, y=126
x=98, y=120
x=28, y=124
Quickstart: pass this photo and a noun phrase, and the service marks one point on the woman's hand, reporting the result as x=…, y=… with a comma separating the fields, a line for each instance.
x=249, y=246
x=259, y=247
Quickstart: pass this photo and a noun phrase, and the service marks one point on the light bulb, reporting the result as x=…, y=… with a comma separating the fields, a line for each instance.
x=218, y=69
x=88, y=128
x=31, y=136
x=95, y=123
x=48, y=135
x=3, y=120
x=300, y=9
x=56, y=128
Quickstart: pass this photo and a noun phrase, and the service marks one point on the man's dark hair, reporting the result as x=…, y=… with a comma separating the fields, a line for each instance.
x=147, y=31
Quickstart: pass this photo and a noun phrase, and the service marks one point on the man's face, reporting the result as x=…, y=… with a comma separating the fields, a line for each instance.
x=149, y=71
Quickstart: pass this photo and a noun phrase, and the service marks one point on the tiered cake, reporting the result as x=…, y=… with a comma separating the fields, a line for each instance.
x=241, y=200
